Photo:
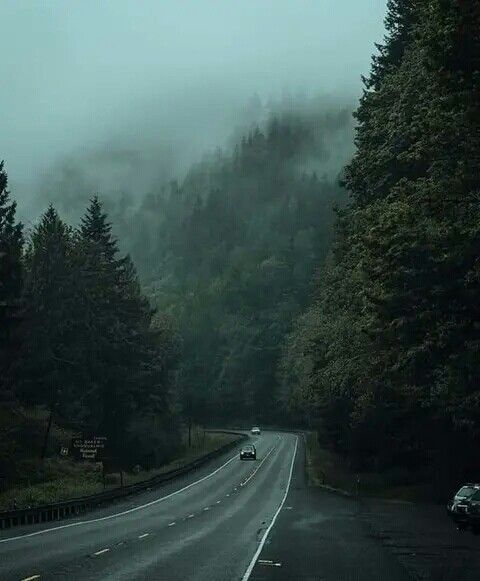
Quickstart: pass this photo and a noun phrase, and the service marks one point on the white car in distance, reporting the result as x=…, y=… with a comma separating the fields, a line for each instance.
x=255, y=431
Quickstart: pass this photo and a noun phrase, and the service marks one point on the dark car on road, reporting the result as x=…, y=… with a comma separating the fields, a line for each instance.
x=458, y=507
x=248, y=452
x=473, y=511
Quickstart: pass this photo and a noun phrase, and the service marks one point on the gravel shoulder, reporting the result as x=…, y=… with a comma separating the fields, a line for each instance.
x=423, y=539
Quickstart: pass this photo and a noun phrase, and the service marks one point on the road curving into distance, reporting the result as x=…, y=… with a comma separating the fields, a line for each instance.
x=230, y=520
x=209, y=525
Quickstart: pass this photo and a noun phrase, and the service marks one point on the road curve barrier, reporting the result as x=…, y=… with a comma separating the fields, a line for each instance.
x=78, y=506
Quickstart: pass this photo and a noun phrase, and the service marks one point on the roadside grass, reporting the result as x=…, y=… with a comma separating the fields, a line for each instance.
x=327, y=468
x=64, y=479
x=202, y=443
x=324, y=467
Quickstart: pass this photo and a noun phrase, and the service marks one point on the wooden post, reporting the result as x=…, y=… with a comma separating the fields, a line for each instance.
x=45, y=439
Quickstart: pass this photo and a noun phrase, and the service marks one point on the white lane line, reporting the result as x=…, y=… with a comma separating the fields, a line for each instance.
x=190, y=516
x=143, y=536
x=207, y=508
x=101, y=552
x=227, y=495
x=124, y=512
x=268, y=562
x=218, y=502
x=172, y=524
x=31, y=578
x=258, y=467
x=249, y=570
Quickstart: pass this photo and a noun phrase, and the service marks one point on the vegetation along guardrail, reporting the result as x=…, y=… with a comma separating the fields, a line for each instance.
x=77, y=506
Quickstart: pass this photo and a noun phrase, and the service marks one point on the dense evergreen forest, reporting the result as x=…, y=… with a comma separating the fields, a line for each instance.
x=227, y=253
x=79, y=339
x=286, y=290
x=387, y=355
x=232, y=263
x=226, y=258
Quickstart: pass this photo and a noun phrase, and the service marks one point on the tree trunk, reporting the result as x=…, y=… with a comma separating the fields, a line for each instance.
x=45, y=440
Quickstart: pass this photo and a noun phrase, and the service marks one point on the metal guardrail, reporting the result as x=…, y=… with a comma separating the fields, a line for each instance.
x=77, y=506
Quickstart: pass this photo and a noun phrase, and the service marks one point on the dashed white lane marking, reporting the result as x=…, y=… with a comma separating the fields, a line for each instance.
x=258, y=467
x=269, y=563
x=101, y=552
x=218, y=502
x=249, y=570
x=207, y=508
x=143, y=536
x=31, y=578
x=227, y=495
x=172, y=524
x=122, y=513
x=190, y=516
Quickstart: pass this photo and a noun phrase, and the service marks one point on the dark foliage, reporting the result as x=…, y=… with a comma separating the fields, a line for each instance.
x=403, y=277
x=89, y=348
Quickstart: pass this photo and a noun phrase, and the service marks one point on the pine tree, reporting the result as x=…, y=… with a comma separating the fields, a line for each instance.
x=399, y=22
x=124, y=363
x=11, y=245
x=47, y=369
x=377, y=165
x=49, y=297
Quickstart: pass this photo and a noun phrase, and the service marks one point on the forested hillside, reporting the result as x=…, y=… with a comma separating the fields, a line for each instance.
x=294, y=279
x=226, y=257
x=232, y=260
x=387, y=356
x=228, y=251
x=80, y=340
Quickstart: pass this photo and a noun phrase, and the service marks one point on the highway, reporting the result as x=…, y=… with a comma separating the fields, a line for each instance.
x=230, y=520
x=206, y=526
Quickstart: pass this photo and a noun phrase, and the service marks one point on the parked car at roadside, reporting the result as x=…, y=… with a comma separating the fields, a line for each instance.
x=473, y=512
x=458, y=507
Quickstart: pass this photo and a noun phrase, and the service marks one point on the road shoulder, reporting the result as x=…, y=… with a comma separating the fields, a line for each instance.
x=319, y=535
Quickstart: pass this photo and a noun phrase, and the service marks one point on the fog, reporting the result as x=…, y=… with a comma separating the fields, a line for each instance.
x=158, y=83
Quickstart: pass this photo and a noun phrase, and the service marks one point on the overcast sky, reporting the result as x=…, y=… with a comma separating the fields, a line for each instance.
x=76, y=73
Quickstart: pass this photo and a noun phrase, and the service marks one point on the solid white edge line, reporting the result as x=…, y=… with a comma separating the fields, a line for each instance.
x=31, y=578
x=130, y=510
x=249, y=570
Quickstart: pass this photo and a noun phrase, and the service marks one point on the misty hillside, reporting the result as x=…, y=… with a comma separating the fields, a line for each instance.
x=230, y=254
x=229, y=250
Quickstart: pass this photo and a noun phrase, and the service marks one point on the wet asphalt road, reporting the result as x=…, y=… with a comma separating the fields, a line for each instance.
x=210, y=525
